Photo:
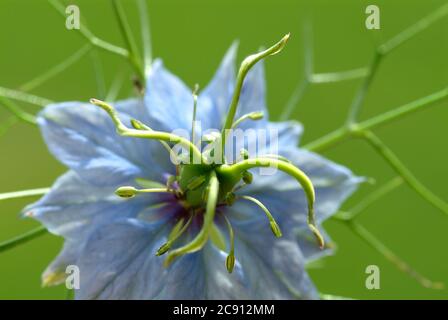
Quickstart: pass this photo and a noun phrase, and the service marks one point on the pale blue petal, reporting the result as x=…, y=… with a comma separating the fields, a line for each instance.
x=74, y=207
x=273, y=268
x=119, y=262
x=214, y=100
x=169, y=102
x=83, y=137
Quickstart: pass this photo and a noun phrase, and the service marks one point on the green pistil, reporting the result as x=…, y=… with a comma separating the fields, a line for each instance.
x=246, y=65
x=200, y=240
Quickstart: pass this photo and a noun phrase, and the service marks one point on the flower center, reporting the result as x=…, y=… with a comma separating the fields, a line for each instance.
x=204, y=181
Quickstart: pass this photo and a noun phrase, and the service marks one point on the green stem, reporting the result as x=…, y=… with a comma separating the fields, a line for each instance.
x=308, y=63
x=360, y=96
x=370, y=199
x=57, y=69
x=404, y=172
x=201, y=238
x=413, y=30
x=115, y=87
x=126, y=31
x=146, y=35
x=18, y=112
x=295, y=98
x=377, y=245
x=330, y=77
x=99, y=74
x=5, y=125
x=345, y=132
x=89, y=36
x=23, y=194
x=24, y=97
x=404, y=110
x=23, y=238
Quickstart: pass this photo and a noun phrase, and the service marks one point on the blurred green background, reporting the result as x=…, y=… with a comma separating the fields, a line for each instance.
x=192, y=36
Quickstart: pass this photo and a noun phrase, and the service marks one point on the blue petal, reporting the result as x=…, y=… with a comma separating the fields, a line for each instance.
x=333, y=183
x=74, y=207
x=83, y=137
x=119, y=262
x=214, y=100
x=168, y=100
x=273, y=268
x=283, y=196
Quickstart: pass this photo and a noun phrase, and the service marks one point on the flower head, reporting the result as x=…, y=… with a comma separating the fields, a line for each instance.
x=142, y=222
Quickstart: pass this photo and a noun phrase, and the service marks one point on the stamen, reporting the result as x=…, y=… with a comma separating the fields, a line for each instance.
x=244, y=154
x=247, y=177
x=211, y=137
x=177, y=231
x=276, y=156
x=290, y=169
x=131, y=192
x=256, y=115
x=138, y=125
x=195, y=104
x=230, y=260
x=201, y=239
x=147, y=184
x=146, y=134
x=274, y=225
x=230, y=198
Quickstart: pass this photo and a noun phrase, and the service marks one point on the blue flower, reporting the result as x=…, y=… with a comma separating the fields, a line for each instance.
x=114, y=241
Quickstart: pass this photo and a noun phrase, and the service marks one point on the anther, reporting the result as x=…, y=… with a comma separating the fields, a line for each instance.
x=256, y=115
x=130, y=192
x=175, y=233
x=244, y=154
x=230, y=260
x=247, y=177
x=274, y=225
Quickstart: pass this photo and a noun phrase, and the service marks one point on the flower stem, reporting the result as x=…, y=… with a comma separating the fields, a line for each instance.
x=126, y=31
x=146, y=35
x=370, y=199
x=23, y=238
x=95, y=41
x=57, y=69
x=360, y=96
x=24, y=97
x=401, y=265
x=17, y=111
x=345, y=132
x=23, y=193
x=404, y=172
